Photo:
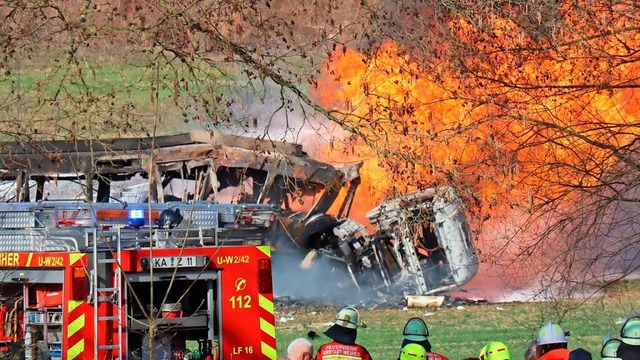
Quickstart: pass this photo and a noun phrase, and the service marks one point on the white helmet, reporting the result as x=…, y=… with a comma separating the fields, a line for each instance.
x=630, y=331
x=551, y=333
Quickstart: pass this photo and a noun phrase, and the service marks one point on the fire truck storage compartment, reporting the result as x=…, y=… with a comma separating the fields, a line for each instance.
x=48, y=295
x=39, y=293
x=191, y=294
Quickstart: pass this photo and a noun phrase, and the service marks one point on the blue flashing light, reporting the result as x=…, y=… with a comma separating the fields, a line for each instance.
x=136, y=217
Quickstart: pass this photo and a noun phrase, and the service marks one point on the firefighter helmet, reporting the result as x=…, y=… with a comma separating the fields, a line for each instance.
x=551, y=333
x=345, y=327
x=413, y=352
x=630, y=331
x=169, y=219
x=415, y=330
x=495, y=351
x=610, y=349
x=348, y=318
x=483, y=352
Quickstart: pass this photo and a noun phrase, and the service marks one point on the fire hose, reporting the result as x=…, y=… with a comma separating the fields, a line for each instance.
x=10, y=319
x=16, y=319
x=3, y=318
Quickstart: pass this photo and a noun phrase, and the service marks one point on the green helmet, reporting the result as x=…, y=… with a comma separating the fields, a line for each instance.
x=415, y=330
x=630, y=331
x=495, y=351
x=348, y=318
x=610, y=349
x=413, y=351
x=483, y=352
x=551, y=333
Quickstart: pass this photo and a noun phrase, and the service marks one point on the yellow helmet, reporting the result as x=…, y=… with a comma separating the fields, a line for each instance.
x=413, y=351
x=495, y=351
x=483, y=352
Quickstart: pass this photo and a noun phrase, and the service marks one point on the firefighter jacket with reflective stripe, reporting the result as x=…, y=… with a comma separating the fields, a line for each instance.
x=337, y=351
x=557, y=354
x=436, y=356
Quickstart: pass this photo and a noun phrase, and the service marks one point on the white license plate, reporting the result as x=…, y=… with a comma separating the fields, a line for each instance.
x=168, y=262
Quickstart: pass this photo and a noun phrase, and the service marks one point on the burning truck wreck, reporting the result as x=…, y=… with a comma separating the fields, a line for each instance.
x=417, y=243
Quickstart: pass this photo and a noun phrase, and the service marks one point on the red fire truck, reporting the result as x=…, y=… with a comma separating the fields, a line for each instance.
x=186, y=280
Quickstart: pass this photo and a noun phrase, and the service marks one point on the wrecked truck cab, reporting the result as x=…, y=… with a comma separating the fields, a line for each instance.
x=418, y=243
x=429, y=236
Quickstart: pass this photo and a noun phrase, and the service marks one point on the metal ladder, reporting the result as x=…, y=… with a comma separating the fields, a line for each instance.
x=107, y=294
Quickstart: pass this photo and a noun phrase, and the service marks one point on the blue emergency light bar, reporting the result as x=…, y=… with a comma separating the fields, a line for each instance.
x=136, y=218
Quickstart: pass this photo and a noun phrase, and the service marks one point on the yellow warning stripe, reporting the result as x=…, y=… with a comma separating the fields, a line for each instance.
x=265, y=303
x=267, y=327
x=268, y=350
x=73, y=257
x=75, y=350
x=75, y=326
x=265, y=249
x=73, y=304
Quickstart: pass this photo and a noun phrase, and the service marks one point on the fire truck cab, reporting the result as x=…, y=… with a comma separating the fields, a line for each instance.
x=141, y=281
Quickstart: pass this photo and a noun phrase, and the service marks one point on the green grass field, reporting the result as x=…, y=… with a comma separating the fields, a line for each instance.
x=49, y=92
x=460, y=332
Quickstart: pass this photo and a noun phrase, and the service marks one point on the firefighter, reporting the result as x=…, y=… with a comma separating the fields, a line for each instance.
x=483, y=351
x=416, y=332
x=343, y=333
x=495, y=351
x=580, y=354
x=629, y=348
x=299, y=349
x=530, y=353
x=610, y=349
x=552, y=343
x=413, y=351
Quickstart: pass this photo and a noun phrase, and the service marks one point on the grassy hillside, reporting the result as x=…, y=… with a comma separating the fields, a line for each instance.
x=461, y=331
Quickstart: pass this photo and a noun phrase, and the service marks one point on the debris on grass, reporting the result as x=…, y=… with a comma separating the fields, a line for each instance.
x=312, y=306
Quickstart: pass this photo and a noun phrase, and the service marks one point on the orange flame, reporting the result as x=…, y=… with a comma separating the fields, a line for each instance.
x=523, y=118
